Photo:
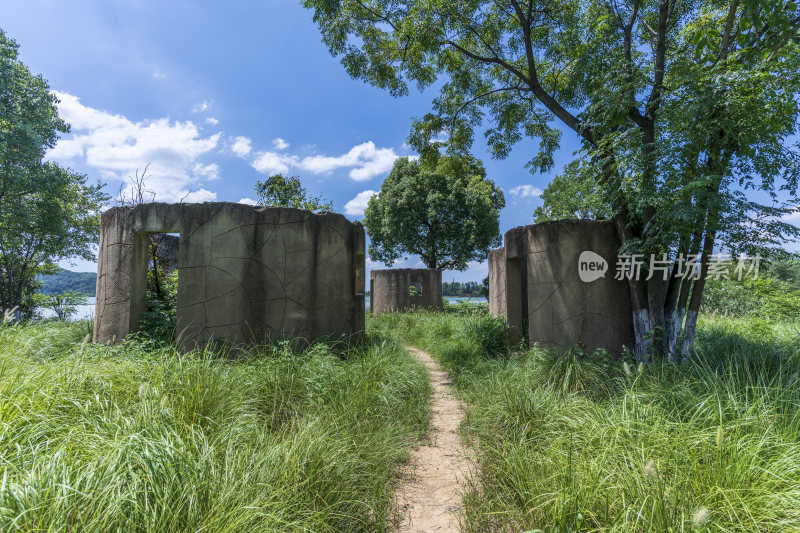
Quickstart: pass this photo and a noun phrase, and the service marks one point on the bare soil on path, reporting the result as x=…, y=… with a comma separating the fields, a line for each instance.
x=429, y=493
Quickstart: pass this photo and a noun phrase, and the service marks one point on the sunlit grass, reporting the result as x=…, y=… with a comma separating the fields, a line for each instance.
x=577, y=443
x=129, y=438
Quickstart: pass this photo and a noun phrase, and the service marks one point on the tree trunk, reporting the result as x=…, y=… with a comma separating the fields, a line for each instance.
x=690, y=329
x=677, y=298
x=638, y=292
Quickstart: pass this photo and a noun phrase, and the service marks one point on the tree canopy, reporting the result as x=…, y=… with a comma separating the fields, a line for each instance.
x=280, y=191
x=573, y=194
x=446, y=211
x=29, y=122
x=685, y=108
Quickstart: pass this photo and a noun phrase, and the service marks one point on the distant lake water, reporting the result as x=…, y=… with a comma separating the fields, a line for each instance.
x=87, y=311
x=82, y=312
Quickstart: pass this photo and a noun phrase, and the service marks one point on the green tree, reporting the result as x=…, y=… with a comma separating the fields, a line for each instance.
x=683, y=107
x=289, y=192
x=446, y=212
x=57, y=219
x=47, y=213
x=573, y=194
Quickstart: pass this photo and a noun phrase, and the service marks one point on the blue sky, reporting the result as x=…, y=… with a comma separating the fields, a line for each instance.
x=215, y=95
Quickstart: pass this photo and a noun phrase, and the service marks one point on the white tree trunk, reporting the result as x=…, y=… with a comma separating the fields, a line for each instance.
x=674, y=322
x=641, y=328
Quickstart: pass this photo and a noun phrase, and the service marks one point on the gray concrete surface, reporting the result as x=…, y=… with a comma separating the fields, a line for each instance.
x=247, y=274
x=390, y=290
x=534, y=278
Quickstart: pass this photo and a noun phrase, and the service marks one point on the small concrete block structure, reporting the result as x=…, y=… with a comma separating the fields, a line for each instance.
x=247, y=274
x=400, y=289
x=534, y=281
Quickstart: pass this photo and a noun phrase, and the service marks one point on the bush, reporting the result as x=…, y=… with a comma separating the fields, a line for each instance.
x=769, y=298
x=158, y=323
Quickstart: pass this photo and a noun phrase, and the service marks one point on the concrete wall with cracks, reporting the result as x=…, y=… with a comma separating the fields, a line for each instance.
x=390, y=290
x=534, y=282
x=247, y=274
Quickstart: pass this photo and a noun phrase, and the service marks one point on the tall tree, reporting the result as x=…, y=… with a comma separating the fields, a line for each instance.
x=446, y=211
x=47, y=213
x=684, y=107
x=280, y=191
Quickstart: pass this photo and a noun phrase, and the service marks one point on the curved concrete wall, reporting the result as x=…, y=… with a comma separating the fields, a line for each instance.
x=247, y=274
x=390, y=289
x=535, y=278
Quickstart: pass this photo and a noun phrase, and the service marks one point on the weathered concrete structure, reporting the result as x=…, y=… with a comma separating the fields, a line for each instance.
x=399, y=289
x=534, y=281
x=247, y=274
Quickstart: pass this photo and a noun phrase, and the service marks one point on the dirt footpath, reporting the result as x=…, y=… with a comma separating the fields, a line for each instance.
x=429, y=491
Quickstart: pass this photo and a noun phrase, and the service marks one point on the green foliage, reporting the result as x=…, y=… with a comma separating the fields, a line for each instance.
x=774, y=295
x=63, y=305
x=131, y=438
x=29, y=122
x=47, y=213
x=289, y=192
x=57, y=219
x=64, y=280
x=158, y=324
x=573, y=194
x=446, y=211
x=577, y=442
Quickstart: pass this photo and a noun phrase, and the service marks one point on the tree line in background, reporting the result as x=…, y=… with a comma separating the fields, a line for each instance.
x=64, y=280
x=468, y=288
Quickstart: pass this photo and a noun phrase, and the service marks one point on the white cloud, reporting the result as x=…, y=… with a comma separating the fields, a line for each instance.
x=357, y=205
x=209, y=172
x=117, y=147
x=202, y=106
x=273, y=162
x=248, y=201
x=159, y=75
x=526, y=191
x=241, y=146
x=791, y=218
x=279, y=144
x=368, y=161
x=212, y=121
x=200, y=196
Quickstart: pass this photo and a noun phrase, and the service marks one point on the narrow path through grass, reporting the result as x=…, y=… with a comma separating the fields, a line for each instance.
x=429, y=494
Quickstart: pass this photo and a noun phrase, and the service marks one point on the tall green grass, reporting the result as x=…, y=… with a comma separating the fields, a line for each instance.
x=131, y=438
x=579, y=443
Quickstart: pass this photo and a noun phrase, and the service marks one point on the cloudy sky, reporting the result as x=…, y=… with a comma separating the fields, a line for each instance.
x=216, y=95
